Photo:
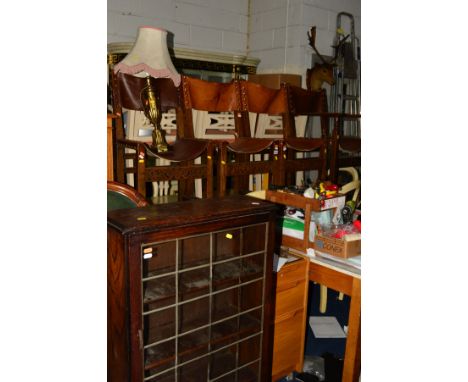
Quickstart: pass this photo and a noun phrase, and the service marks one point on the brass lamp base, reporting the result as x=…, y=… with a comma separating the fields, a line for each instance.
x=153, y=113
x=159, y=143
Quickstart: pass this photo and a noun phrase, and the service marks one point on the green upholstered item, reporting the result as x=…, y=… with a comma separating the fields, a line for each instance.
x=117, y=201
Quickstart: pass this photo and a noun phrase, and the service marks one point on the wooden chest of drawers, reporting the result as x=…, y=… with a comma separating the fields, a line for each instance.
x=290, y=318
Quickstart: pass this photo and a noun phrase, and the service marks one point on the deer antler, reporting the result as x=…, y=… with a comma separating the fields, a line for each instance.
x=311, y=35
x=321, y=73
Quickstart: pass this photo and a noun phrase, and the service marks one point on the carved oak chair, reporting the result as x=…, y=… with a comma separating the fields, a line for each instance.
x=145, y=164
x=260, y=107
x=300, y=153
x=222, y=101
x=250, y=157
x=120, y=195
x=215, y=107
x=345, y=149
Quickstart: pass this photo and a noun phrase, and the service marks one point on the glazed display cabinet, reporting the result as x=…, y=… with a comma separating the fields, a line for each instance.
x=190, y=291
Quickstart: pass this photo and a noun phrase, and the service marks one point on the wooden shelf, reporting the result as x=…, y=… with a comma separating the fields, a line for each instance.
x=293, y=200
x=309, y=205
x=157, y=359
x=157, y=294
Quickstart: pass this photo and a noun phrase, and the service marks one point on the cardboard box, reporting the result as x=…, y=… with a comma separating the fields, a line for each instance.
x=337, y=247
x=273, y=81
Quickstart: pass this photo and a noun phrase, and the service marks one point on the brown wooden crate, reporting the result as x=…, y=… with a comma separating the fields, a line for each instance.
x=337, y=247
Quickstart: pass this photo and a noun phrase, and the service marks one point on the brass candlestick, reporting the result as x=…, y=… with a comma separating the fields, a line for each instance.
x=153, y=113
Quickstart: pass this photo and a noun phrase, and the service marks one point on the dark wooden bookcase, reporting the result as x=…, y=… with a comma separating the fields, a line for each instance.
x=190, y=292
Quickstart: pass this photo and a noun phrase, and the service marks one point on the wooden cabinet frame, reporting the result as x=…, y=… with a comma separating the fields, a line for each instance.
x=154, y=269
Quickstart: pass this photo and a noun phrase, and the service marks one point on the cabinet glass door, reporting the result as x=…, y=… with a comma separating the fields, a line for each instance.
x=203, y=306
x=159, y=314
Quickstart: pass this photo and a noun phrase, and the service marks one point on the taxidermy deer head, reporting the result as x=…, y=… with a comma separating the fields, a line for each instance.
x=321, y=73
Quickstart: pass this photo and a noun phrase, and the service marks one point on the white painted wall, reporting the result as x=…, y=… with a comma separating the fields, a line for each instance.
x=278, y=31
x=273, y=30
x=212, y=25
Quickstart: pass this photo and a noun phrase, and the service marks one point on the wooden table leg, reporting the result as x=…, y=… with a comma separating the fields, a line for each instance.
x=323, y=299
x=352, y=360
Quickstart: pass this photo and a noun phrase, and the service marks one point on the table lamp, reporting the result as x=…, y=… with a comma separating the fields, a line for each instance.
x=149, y=57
